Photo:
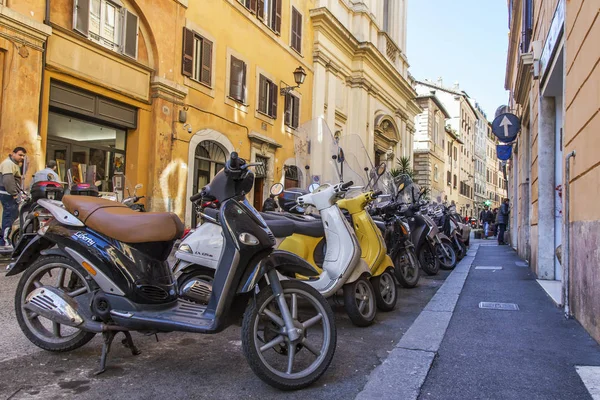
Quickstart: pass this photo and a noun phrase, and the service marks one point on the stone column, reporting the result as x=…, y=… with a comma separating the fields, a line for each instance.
x=545, y=149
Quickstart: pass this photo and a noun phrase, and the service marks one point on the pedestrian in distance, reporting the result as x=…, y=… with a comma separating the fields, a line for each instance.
x=486, y=218
x=46, y=174
x=502, y=220
x=10, y=188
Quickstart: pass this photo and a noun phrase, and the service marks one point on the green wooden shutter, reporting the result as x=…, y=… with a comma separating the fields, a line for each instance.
x=130, y=35
x=81, y=16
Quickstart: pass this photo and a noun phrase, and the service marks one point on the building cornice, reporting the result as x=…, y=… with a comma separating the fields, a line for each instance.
x=325, y=23
x=34, y=33
x=166, y=87
x=513, y=43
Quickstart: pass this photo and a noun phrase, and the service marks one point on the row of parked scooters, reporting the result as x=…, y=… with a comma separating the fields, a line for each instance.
x=98, y=267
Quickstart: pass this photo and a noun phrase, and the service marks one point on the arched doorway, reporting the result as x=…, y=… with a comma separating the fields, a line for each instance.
x=386, y=139
x=209, y=158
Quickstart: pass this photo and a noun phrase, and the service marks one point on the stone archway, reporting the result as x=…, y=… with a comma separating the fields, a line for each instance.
x=213, y=140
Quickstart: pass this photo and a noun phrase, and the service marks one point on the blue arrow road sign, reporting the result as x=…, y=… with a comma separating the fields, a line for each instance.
x=506, y=127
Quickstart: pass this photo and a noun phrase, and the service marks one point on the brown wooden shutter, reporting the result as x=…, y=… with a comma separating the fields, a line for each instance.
x=253, y=5
x=237, y=79
x=296, y=112
x=81, y=16
x=187, y=64
x=274, y=95
x=130, y=35
x=207, y=47
x=277, y=25
x=262, y=94
x=287, y=110
x=260, y=9
x=296, y=30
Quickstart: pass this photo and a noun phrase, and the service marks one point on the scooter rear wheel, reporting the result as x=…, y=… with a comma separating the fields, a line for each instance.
x=386, y=292
x=285, y=364
x=447, y=261
x=429, y=262
x=359, y=302
x=406, y=267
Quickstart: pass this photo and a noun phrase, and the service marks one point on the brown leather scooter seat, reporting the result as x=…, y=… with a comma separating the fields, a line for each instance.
x=119, y=222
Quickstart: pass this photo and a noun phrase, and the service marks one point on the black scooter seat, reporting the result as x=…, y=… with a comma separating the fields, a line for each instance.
x=284, y=227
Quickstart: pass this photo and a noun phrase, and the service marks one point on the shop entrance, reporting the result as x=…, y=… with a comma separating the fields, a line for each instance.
x=90, y=151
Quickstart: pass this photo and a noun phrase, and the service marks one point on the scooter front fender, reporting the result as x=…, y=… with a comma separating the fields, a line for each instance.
x=361, y=269
x=286, y=263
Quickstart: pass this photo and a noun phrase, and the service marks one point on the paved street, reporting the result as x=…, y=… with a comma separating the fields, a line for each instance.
x=192, y=366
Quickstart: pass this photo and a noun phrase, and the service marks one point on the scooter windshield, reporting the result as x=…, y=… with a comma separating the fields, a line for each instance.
x=318, y=148
x=354, y=163
x=408, y=191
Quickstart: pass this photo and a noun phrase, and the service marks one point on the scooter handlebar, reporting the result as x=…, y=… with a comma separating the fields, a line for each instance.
x=345, y=186
x=196, y=197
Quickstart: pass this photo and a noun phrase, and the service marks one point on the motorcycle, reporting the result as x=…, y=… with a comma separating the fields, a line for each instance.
x=99, y=267
x=338, y=262
x=389, y=215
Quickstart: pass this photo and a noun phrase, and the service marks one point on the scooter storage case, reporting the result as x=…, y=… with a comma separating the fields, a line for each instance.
x=84, y=189
x=47, y=190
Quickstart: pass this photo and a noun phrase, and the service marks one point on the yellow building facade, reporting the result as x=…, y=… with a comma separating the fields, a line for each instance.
x=553, y=74
x=161, y=91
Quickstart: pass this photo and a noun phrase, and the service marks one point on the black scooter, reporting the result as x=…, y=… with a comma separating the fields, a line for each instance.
x=100, y=267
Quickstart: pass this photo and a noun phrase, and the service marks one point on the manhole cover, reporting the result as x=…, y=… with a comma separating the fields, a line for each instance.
x=498, y=306
x=521, y=264
x=489, y=268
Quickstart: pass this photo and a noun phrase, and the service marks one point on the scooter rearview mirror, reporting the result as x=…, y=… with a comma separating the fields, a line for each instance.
x=138, y=186
x=276, y=189
x=313, y=187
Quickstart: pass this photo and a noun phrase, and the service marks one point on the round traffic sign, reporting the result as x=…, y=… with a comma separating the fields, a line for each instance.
x=506, y=127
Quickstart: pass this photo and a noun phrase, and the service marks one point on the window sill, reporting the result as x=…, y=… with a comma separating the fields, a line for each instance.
x=238, y=105
x=297, y=52
x=264, y=117
x=290, y=129
x=201, y=87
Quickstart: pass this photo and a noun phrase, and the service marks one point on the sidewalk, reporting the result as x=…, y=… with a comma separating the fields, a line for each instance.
x=456, y=350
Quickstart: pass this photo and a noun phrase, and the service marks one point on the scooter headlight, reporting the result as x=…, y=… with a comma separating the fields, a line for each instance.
x=185, y=248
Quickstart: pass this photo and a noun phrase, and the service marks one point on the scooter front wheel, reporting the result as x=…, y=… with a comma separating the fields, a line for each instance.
x=386, y=292
x=446, y=254
x=359, y=302
x=276, y=359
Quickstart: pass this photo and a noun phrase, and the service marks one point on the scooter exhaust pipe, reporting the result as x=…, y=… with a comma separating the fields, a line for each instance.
x=55, y=305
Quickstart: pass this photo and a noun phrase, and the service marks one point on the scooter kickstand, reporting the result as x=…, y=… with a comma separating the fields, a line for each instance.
x=108, y=338
x=128, y=343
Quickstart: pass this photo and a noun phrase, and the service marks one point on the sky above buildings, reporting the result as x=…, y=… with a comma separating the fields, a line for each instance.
x=463, y=41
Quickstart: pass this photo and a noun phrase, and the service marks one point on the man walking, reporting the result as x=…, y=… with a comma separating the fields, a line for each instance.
x=10, y=184
x=486, y=217
x=47, y=174
x=502, y=220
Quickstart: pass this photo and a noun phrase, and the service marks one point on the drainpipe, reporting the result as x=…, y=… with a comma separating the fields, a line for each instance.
x=566, y=249
x=43, y=75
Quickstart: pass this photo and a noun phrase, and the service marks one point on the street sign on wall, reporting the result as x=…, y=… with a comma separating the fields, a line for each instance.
x=506, y=127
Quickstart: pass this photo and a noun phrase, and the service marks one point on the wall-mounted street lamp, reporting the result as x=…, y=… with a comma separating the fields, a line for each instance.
x=299, y=77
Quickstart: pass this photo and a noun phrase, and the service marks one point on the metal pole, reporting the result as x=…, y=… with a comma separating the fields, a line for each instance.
x=566, y=250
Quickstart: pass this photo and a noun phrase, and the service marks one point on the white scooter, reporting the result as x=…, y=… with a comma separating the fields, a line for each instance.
x=198, y=254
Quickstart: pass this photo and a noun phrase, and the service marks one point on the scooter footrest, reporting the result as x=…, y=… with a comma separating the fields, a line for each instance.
x=183, y=316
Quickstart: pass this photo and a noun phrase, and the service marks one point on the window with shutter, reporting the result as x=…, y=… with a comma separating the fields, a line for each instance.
x=269, y=11
x=292, y=111
x=296, y=30
x=277, y=22
x=197, y=57
x=267, y=97
x=107, y=23
x=237, y=80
